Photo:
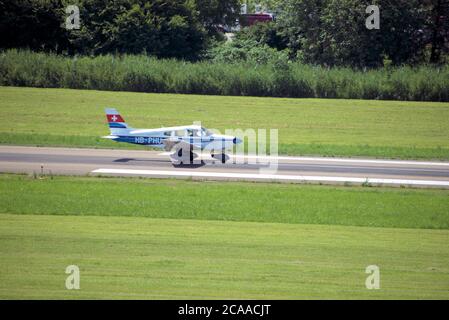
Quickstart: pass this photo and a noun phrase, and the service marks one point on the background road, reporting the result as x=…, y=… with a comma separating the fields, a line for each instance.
x=70, y=161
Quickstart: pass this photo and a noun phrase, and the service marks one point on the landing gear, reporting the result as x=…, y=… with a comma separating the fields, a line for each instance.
x=184, y=157
x=220, y=156
x=180, y=155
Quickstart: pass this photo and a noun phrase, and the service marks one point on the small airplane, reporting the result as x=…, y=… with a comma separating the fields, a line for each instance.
x=182, y=140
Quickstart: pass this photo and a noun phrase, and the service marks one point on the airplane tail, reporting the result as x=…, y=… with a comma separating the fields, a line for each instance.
x=117, y=124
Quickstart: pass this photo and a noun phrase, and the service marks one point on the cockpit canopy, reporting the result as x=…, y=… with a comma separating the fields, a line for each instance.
x=202, y=132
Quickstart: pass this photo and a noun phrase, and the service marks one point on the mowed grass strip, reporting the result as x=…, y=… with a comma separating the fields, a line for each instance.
x=385, y=129
x=138, y=258
x=258, y=202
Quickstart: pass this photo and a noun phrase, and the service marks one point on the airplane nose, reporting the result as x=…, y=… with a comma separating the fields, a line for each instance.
x=236, y=140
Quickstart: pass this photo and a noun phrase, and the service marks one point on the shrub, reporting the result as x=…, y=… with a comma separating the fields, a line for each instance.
x=273, y=76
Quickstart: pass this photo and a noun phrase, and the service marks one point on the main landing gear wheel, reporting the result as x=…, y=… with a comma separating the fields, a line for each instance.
x=191, y=157
x=179, y=154
x=222, y=157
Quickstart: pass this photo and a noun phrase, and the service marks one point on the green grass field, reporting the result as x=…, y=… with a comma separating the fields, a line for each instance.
x=256, y=202
x=140, y=244
x=385, y=129
x=127, y=257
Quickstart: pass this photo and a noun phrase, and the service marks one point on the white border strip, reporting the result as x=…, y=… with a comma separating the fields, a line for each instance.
x=329, y=159
x=255, y=176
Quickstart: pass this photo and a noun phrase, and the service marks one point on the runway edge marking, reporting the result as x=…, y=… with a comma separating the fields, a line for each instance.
x=330, y=159
x=271, y=177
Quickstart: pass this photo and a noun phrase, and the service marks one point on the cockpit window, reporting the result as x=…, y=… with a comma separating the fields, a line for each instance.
x=205, y=132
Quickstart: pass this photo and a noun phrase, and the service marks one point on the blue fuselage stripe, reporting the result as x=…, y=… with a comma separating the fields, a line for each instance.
x=154, y=141
x=117, y=125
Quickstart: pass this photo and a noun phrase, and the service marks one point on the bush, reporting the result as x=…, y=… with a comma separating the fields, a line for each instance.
x=247, y=50
x=248, y=77
x=264, y=34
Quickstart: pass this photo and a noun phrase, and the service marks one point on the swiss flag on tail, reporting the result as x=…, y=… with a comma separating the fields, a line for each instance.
x=115, y=120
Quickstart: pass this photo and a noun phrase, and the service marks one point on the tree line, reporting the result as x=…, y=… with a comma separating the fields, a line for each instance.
x=333, y=32
x=162, y=28
x=323, y=32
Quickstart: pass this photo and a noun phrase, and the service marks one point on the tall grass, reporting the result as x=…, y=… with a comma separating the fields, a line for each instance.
x=146, y=74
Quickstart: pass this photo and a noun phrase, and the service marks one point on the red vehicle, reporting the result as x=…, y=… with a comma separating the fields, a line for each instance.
x=247, y=20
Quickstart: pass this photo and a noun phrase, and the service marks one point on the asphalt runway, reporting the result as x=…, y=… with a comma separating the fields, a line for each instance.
x=71, y=161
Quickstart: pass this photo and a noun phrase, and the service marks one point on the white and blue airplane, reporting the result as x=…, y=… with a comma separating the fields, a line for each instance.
x=182, y=141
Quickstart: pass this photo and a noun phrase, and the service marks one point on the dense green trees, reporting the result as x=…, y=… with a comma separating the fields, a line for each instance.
x=32, y=24
x=324, y=32
x=333, y=32
x=217, y=12
x=264, y=34
x=159, y=27
x=437, y=23
x=268, y=5
x=163, y=28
